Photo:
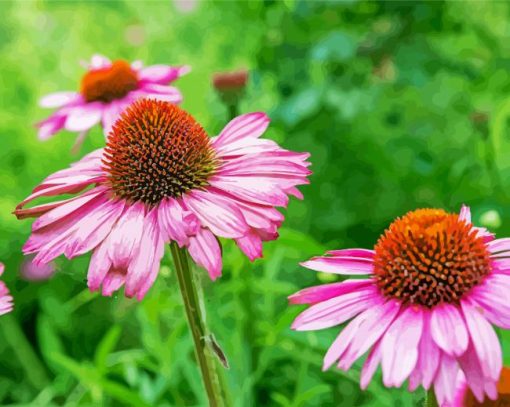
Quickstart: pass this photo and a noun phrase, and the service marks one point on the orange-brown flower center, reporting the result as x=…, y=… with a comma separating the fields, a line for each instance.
x=157, y=150
x=110, y=83
x=428, y=257
x=503, y=399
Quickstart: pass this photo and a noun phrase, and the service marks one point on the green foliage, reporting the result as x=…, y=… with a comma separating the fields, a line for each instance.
x=402, y=105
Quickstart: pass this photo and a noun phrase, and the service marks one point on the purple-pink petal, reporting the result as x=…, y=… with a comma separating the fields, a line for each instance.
x=448, y=329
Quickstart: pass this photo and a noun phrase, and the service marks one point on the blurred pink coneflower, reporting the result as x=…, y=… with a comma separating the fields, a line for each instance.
x=435, y=285
x=161, y=179
x=34, y=272
x=6, y=300
x=106, y=89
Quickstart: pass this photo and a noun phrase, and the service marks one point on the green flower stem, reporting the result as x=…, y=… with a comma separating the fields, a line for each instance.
x=209, y=368
x=430, y=398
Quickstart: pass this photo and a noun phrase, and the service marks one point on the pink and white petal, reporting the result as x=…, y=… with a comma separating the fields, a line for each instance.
x=162, y=74
x=251, y=245
x=260, y=191
x=370, y=365
x=251, y=125
x=84, y=117
x=148, y=253
x=125, y=236
x=6, y=300
x=491, y=297
x=341, y=343
x=375, y=321
x=113, y=280
x=444, y=384
x=205, y=250
x=217, y=213
x=175, y=222
x=472, y=369
x=361, y=253
x=111, y=113
x=337, y=310
x=465, y=214
x=99, y=61
x=58, y=99
x=499, y=245
x=341, y=265
x=99, y=266
x=485, y=341
x=400, y=346
x=2, y=268
x=50, y=126
x=312, y=295
x=449, y=329
x=428, y=358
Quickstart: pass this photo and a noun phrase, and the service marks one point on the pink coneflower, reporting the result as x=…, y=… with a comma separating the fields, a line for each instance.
x=106, y=89
x=160, y=178
x=6, y=300
x=464, y=397
x=435, y=284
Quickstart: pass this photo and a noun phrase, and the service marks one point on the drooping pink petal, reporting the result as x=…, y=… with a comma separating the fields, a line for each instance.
x=217, y=213
x=491, y=296
x=428, y=358
x=162, y=74
x=335, y=310
x=341, y=265
x=448, y=329
x=142, y=271
x=99, y=266
x=361, y=253
x=499, y=245
x=472, y=369
x=251, y=245
x=51, y=125
x=325, y=292
x=375, y=322
x=58, y=99
x=206, y=252
x=444, y=384
x=175, y=222
x=84, y=117
x=400, y=346
x=370, y=365
x=485, y=341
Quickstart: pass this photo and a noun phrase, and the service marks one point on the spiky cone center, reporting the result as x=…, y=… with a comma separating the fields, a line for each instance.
x=109, y=83
x=429, y=257
x=157, y=150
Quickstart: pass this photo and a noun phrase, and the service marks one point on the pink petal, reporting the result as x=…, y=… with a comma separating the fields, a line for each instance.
x=375, y=322
x=84, y=117
x=251, y=245
x=51, y=125
x=335, y=311
x=473, y=372
x=142, y=271
x=400, y=346
x=325, y=292
x=448, y=329
x=341, y=265
x=99, y=266
x=499, y=245
x=162, y=74
x=485, y=341
x=251, y=125
x=58, y=99
x=465, y=214
x=370, y=365
x=206, y=252
x=124, y=239
x=428, y=358
x=491, y=296
x=362, y=253
x=99, y=61
x=176, y=223
x=217, y=213
x=2, y=268
x=444, y=384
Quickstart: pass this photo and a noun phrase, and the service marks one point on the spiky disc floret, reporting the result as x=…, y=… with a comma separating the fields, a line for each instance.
x=428, y=257
x=157, y=150
x=109, y=83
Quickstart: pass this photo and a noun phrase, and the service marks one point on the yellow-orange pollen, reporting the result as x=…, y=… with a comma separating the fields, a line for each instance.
x=428, y=257
x=109, y=83
x=157, y=150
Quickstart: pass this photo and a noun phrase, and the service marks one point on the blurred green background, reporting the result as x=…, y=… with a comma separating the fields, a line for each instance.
x=402, y=105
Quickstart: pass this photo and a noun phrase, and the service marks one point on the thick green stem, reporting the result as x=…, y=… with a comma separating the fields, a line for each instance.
x=213, y=383
x=430, y=398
